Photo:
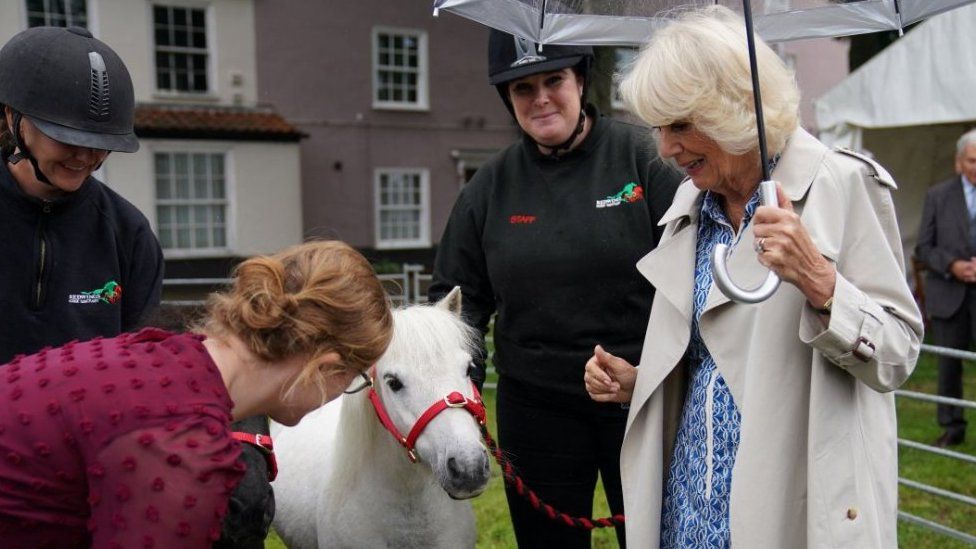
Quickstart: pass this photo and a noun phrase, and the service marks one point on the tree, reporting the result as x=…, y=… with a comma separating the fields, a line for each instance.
x=600, y=86
x=866, y=46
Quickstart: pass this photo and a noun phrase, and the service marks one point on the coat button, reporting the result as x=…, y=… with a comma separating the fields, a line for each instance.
x=852, y=513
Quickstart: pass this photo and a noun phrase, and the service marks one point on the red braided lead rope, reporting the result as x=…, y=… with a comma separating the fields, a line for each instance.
x=514, y=480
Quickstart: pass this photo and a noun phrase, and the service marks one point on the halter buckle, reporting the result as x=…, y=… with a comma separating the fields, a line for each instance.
x=455, y=400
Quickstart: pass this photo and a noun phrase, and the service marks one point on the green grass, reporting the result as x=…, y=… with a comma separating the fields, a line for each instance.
x=274, y=542
x=916, y=422
x=491, y=507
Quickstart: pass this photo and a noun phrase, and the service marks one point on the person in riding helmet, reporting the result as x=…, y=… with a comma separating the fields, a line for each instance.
x=67, y=102
x=80, y=261
x=545, y=236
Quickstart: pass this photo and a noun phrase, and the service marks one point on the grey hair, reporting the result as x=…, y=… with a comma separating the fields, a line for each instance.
x=967, y=139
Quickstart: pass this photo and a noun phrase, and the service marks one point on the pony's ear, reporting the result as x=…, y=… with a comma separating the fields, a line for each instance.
x=452, y=301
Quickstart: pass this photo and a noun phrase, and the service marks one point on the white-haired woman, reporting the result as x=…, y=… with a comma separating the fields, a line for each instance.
x=760, y=425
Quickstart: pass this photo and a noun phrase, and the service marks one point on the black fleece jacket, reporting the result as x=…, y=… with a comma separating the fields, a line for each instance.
x=551, y=246
x=81, y=266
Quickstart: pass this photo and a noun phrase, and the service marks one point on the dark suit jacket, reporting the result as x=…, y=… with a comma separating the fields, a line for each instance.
x=943, y=238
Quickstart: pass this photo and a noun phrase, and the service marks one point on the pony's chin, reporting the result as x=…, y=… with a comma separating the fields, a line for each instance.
x=461, y=489
x=460, y=496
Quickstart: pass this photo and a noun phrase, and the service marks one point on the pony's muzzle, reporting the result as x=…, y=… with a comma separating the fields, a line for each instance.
x=467, y=476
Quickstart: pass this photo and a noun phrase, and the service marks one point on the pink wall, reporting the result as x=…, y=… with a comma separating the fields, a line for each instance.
x=820, y=64
x=314, y=61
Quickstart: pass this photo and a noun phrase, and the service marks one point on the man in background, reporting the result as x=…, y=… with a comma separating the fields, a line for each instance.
x=947, y=247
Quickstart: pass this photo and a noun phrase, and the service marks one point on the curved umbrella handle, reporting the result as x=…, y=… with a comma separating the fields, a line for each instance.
x=720, y=270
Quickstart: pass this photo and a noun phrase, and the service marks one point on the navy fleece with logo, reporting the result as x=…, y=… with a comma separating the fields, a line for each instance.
x=551, y=246
x=81, y=266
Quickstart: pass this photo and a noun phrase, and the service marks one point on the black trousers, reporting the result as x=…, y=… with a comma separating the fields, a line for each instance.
x=558, y=443
x=957, y=331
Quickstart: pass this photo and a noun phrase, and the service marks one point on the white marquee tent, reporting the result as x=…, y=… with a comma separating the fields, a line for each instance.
x=927, y=77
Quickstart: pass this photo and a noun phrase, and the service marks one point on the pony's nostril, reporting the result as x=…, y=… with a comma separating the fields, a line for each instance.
x=452, y=467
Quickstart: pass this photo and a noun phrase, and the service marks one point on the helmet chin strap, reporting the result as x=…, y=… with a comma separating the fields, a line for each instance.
x=23, y=153
x=566, y=145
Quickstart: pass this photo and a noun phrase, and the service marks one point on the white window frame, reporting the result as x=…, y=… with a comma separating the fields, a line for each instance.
x=230, y=198
x=47, y=19
x=423, y=241
x=208, y=51
x=423, y=70
x=465, y=159
x=619, y=71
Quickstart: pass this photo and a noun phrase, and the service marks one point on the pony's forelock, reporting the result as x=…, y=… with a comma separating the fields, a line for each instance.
x=424, y=331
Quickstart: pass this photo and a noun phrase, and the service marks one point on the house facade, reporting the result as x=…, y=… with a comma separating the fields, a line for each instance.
x=217, y=175
x=397, y=110
x=264, y=122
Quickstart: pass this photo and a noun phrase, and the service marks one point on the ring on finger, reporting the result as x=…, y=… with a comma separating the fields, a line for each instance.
x=759, y=245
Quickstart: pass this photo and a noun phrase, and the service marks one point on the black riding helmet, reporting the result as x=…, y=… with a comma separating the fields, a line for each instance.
x=511, y=57
x=72, y=86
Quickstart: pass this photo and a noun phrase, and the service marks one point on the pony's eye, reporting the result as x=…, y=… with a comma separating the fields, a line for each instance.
x=472, y=368
x=394, y=383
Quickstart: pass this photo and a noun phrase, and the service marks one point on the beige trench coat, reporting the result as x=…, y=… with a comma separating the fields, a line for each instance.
x=817, y=458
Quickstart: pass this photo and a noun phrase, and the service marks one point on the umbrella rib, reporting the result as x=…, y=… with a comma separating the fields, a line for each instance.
x=901, y=23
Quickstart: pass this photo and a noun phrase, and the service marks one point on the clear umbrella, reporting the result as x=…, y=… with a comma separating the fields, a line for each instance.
x=631, y=22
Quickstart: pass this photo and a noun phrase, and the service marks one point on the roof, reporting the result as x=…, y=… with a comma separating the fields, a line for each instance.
x=225, y=123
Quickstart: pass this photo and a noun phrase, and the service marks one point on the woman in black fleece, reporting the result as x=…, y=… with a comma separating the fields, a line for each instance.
x=546, y=235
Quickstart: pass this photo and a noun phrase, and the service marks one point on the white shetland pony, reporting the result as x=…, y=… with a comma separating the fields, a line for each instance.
x=346, y=482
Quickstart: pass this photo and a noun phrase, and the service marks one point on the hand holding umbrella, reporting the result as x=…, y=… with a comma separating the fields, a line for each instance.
x=786, y=249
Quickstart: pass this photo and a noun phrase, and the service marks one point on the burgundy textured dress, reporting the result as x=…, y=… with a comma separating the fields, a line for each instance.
x=121, y=442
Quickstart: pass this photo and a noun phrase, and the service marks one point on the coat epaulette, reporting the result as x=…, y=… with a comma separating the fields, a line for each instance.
x=880, y=173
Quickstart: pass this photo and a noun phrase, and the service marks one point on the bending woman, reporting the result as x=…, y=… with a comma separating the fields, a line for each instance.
x=126, y=441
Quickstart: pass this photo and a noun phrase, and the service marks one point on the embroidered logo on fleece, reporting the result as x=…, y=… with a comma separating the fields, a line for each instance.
x=521, y=219
x=110, y=293
x=632, y=192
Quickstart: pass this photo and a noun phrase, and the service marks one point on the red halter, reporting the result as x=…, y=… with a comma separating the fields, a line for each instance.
x=262, y=443
x=474, y=406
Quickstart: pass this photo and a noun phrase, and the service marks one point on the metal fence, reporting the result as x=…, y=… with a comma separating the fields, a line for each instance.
x=409, y=286
x=955, y=497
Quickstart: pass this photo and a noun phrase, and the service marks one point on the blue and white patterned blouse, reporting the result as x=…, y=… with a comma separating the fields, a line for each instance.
x=696, y=497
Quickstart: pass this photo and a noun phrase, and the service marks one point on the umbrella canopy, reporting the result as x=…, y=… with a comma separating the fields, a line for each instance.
x=630, y=22
x=928, y=77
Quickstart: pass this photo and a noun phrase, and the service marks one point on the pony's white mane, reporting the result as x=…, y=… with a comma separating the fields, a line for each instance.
x=422, y=335
x=422, y=331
